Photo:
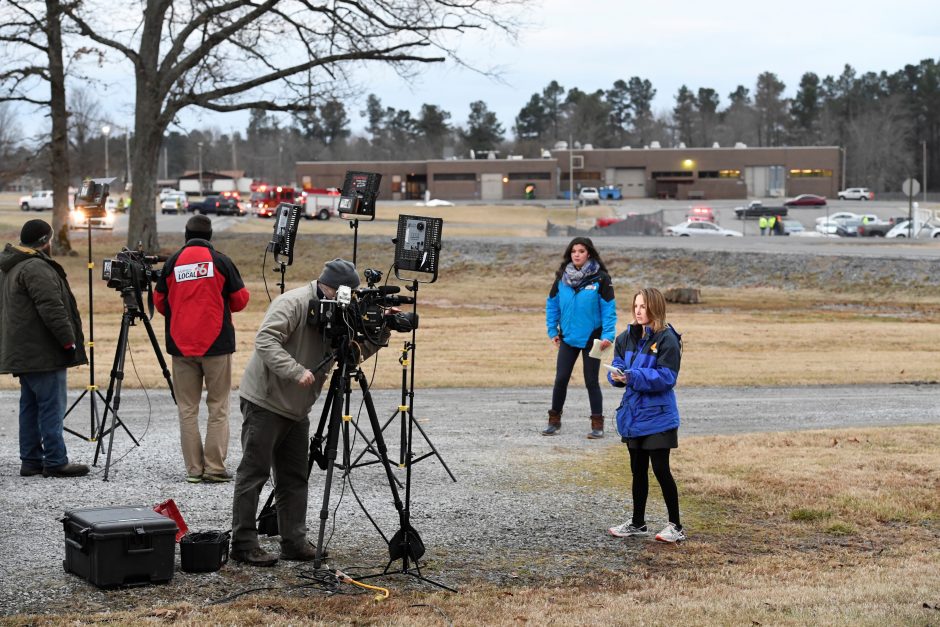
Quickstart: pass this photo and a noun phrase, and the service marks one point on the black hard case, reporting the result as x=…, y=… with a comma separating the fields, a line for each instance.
x=119, y=546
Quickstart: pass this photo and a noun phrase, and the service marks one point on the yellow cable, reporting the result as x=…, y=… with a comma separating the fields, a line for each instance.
x=344, y=578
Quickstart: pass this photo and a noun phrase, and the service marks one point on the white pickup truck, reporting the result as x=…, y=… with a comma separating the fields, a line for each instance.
x=38, y=201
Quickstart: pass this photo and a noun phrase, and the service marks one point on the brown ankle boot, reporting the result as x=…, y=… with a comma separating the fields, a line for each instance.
x=554, y=423
x=597, y=427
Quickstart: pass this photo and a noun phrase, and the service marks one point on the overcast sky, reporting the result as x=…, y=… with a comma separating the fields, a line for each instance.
x=591, y=43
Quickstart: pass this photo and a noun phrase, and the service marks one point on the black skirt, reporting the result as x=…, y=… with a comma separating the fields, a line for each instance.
x=666, y=439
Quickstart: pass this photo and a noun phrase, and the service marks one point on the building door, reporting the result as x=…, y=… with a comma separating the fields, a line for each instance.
x=415, y=184
x=757, y=179
x=631, y=180
x=491, y=186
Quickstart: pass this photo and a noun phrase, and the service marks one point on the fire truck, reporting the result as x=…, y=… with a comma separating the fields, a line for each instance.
x=265, y=198
x=320, y=203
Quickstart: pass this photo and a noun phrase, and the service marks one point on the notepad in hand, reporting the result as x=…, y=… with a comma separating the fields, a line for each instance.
x=613, y=369
x=598, y=353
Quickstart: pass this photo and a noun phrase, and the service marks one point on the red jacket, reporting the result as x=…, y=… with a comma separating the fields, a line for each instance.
x=197, y=292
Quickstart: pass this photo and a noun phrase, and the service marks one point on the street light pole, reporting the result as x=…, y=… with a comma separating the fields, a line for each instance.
x=200, y=168
x=127, y=153
x=106, y=131
x=924, y=143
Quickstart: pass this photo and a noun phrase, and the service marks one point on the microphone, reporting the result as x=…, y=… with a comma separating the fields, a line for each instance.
x=388, y=289
x=394, y=301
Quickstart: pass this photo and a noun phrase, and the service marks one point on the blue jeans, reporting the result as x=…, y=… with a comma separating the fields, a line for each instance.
x=42, y=408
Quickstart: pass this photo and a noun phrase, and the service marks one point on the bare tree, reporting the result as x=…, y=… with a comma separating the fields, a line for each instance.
x=31, y=31
x=84, y=115
x=258, y=54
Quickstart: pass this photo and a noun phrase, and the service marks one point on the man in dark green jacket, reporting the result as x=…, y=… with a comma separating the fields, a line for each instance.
x=40, y=338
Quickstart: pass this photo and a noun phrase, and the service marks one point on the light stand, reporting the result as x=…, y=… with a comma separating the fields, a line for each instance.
x=285, y=233
x=417, y=249
x=357, y=200
x=97, y=195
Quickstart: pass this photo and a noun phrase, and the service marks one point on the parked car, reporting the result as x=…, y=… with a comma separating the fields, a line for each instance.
x=37, y=201
x=901, y=231
x=792, y=226
x=874, y=228
x=701, y=214
x=806, y=200
x=839, y=215
x=219, y=205
x=857, y=193
x=174, y=202
x=756, y=208
x=79, y=219
x=691, y=228
x=589, y=196
x=832, y=229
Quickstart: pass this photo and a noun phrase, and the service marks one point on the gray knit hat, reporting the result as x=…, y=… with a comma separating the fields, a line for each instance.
x=339, y=272
x=35, y=233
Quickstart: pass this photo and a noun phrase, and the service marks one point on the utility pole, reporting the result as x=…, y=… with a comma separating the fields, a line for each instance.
x=924, y=144
x=106, y=131
x=843, y=167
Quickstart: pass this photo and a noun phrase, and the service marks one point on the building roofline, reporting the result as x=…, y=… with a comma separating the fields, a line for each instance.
x=695, y=148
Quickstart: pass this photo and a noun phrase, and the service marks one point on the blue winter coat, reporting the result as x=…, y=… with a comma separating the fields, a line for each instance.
x=652, y=361
x=577, y=312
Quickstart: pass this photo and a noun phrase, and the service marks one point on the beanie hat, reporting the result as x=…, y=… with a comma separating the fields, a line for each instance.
x=339, y=272
x=35, y=233
x=199, y=226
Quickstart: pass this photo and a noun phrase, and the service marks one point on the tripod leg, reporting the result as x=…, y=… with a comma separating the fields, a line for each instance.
x=118, y=378
x=116, y=368
x=332, y=437
x=159, y=354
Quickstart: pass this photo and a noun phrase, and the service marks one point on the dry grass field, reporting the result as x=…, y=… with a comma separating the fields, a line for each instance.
x=484, y=317
x=863, y=552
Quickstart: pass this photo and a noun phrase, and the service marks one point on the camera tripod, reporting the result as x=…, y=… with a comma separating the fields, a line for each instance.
x=405, y=544
x=133, y=310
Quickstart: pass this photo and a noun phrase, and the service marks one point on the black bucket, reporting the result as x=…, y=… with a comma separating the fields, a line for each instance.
x=204, y=551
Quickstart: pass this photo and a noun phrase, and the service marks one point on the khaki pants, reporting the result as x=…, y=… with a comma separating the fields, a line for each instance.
x=188, y=376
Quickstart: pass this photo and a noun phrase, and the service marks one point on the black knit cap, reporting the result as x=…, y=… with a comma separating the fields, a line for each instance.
x=35, y=233
x=199, y=226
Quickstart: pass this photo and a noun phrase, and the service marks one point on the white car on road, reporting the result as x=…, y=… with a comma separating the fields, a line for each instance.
x=857, y=193
x=691, y=228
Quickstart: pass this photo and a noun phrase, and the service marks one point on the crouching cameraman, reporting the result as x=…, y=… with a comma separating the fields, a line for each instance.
x=277, y=391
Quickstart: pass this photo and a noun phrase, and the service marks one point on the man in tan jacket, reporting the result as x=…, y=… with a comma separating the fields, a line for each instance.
x=277, y=391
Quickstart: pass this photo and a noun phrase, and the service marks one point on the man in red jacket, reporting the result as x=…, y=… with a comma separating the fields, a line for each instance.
x=197, y=292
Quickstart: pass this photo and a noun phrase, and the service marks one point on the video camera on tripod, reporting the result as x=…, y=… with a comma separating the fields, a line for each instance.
x=362, y=313
x=131, y=269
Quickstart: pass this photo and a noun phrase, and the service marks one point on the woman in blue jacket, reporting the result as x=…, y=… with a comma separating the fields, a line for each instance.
x=580, y=308
x=648, y=355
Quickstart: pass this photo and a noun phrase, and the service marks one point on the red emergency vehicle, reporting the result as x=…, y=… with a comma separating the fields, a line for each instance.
x=265, y=198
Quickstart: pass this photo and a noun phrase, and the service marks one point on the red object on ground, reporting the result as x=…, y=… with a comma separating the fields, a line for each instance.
x=169, y=509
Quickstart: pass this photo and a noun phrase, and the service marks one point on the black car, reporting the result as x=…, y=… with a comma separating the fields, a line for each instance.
x=756, y=209
x=219, y=205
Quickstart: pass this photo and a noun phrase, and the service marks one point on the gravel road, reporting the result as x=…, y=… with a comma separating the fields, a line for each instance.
x=505, y=519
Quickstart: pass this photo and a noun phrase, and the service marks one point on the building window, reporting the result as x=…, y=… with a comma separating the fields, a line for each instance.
x=455, y=176
x=530, y=176
x=708, y=174
x=729, y=174
x=810, y=173
x=670, y=175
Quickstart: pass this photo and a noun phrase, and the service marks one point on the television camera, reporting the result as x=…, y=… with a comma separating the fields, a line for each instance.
x=131, y=270
x=363, y=313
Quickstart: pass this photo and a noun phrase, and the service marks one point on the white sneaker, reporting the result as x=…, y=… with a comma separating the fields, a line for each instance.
x=627, y=529
x=670, y=533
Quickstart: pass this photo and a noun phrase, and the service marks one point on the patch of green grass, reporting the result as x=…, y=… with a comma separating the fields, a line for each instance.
x=840, y=528
x=805, y=514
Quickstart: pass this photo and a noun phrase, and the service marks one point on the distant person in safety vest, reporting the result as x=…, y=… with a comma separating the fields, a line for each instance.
x=762, y=223
x=197, y=292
